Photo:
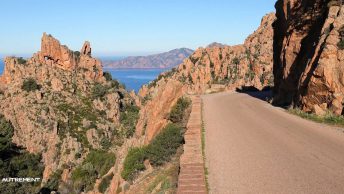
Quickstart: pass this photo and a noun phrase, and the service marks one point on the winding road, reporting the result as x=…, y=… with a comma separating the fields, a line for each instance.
x=253, y=147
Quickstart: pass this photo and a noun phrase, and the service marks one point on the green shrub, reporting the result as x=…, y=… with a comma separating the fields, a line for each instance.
x=341, y=45
x=236, y=61
x=83, y=177
x=30, y=84
x=16, y=162
x=53, y=181
x=21, y=61
x=96, y=164
x=115, y=84
x=6, y=133
x=104, y=184
x=165, y=144
x=101, y=160
x=98, y=91
x=177, y=111
x=77, y=54
x=129, y=119
x=105, y=143
x=107, y=76
x=133, y=163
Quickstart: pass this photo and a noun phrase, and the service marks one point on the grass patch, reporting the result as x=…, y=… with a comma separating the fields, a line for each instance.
x=203, y=149
x=328, y=118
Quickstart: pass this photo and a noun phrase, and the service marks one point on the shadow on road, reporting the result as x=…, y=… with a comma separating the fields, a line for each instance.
x=265, y=94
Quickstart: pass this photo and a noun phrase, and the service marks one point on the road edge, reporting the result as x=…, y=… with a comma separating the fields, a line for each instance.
x=192, y=177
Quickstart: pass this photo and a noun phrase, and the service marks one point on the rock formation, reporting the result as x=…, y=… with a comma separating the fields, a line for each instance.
x=208, y=70
x=61, y=106
x=309, y=55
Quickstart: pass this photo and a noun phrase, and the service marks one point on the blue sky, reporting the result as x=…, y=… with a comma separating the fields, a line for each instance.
x=127, y=27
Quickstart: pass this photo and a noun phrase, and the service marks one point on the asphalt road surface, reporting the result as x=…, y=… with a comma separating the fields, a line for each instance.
x=253, y=147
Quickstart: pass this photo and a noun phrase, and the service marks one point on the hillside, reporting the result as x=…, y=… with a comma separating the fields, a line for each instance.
x=162, y=60
x=209, y=70
x=59, y=106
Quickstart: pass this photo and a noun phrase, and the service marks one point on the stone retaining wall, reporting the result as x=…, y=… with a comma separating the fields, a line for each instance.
x=192, y=176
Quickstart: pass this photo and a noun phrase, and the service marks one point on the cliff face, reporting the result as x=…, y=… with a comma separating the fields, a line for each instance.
x=62, y=106
x=208, y=70
x=163, y=60
x=309, y=55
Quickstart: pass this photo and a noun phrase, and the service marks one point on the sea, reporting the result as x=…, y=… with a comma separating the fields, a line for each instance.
x=133, y=79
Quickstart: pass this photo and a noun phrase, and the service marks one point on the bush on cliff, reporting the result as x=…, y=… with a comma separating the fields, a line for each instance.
x=129, y=118
x=178, y=110
x=21, y=60
x=159, y=151
x=104, y=184
x=341, y=45
x=96, y=164
x=107, y=76
x=17, y=162
x=165, y=145
x=30, y=84
x=341, y=42
x=133, y=163
x=98, y=91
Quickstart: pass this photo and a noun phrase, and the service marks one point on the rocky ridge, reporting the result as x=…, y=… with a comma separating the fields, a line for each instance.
x=309, y=55
x=63, y=106
x=210, y=69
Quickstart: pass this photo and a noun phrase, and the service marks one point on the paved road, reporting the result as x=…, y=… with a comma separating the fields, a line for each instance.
x=252, y=147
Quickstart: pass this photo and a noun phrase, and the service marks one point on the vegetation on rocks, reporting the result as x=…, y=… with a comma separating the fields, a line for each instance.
x=104, y=184
x=328, y=118
x=30, y=85
x=21, y=60
x=96, y=164
x=129, y=118
x=16, y=162
x=177, y=113
x=162, y=147
x=98, y=91
x=165, y=144
x=341, y=41
x=133, y=163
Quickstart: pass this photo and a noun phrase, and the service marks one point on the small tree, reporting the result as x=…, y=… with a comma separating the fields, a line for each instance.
x=30, y=84
x=107, y=76
x=98, y=91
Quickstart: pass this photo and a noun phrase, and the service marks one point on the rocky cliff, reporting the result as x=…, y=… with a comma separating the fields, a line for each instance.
x=309, y=55
x=210, y=69
x=162, y=60
x=65, y=108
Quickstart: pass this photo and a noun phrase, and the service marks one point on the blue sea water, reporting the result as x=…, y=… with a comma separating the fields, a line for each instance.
x=133, y=79
x=1, y=66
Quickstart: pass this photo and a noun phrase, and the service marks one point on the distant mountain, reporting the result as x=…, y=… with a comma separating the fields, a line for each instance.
x=163, y=60
x=216, y=44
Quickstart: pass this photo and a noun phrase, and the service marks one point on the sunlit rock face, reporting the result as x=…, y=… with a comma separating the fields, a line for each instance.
x=309, y=55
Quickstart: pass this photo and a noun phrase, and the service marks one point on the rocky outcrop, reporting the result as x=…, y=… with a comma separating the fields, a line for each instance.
x=309, y=55
x=61, y=105
x=207, y=70
x=162, y=60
